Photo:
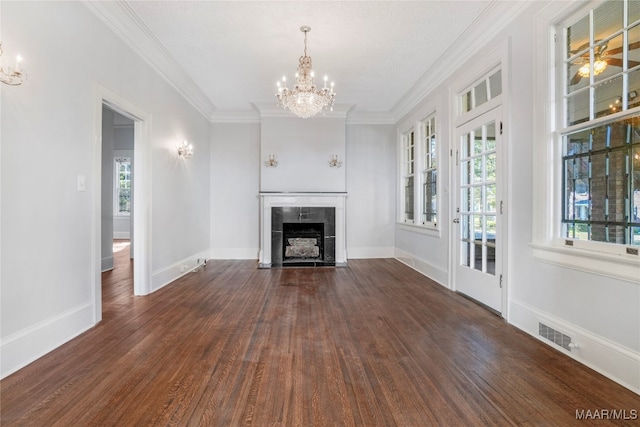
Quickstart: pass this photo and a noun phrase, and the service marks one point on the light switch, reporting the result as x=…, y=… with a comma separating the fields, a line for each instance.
x=81, y=183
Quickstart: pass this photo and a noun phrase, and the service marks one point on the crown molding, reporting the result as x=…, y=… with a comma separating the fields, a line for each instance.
x=487, y=25
x=123, y=21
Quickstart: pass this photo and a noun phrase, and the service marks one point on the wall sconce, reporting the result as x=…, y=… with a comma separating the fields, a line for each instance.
x=271, y=161
x=12, y=77
x=185, y=150
x=334, y=162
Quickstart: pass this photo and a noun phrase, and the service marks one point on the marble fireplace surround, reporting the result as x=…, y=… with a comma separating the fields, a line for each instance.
x=301, y=200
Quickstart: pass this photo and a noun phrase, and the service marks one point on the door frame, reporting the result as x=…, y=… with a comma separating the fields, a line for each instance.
x=141, y=220
x=476, y=68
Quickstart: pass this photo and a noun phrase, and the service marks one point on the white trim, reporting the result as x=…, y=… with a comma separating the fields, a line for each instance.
x=29, y=344
x=627, y=267
x=121, y=235
x=164, y=276
x=106, y=264
x=431, y=271
x=612, y=360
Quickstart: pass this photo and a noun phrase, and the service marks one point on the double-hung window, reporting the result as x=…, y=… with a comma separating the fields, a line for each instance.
x=599, y=124
x=419, y=174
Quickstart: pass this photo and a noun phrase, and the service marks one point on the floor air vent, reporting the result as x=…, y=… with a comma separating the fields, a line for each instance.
x=554, y=336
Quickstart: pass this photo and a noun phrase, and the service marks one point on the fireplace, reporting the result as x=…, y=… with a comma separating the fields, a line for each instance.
x=302, y=229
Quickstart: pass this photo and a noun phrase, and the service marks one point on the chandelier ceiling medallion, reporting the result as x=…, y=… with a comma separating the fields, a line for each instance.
x=305, y=99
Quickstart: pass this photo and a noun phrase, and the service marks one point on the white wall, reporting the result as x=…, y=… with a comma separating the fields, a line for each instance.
x=303, y=148
x=371, y=190
x=235, y=184
x=601, y=313
x=48, y=140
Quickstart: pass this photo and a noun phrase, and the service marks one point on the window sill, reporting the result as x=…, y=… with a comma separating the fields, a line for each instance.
x=617, y=266
x=421, y=229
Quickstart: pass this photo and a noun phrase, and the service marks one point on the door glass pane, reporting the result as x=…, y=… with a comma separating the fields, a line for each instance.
x=466, y=172
x=477, y=141
x=478, y=257
x=490, y=165
x=466, y=227
x=477, y=169
x=490, y=205
x=477, y=199
x=465, y=251
x=477, y=227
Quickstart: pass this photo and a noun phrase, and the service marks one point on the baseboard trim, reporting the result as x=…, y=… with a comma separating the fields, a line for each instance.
x=29, y=344
x=106, y=263
x=121, y=235
x=614, y=361
x=371, y=252
x=434, y=273
x=162, y=277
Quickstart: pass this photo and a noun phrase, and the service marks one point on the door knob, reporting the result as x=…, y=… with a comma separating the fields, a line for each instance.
x=456, y=220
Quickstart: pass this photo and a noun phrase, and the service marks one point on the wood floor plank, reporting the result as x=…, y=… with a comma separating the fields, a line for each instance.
x=372, y=344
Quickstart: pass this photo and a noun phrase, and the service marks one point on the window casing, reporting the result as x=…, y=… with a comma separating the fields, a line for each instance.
x=122, y=186
x=599, y=124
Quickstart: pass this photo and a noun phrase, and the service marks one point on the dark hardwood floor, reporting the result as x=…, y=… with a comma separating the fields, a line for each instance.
x=373, y=344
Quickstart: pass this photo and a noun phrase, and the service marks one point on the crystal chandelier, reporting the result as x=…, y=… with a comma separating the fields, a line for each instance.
x=305, y=99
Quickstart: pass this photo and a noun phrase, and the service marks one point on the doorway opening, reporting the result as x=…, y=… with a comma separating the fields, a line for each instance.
x=133, y=198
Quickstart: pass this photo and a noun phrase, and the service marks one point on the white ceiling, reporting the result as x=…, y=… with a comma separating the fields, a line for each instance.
x=226, y=56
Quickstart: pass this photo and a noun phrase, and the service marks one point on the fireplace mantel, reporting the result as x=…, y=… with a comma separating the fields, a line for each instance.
x=271, y=200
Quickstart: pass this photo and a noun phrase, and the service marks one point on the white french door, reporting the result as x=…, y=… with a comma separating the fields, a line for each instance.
x=478, y=225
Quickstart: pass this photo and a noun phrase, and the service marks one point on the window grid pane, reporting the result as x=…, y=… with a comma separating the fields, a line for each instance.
x=602, y=183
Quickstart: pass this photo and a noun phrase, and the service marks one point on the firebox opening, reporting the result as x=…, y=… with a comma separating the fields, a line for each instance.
x=303, y=244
